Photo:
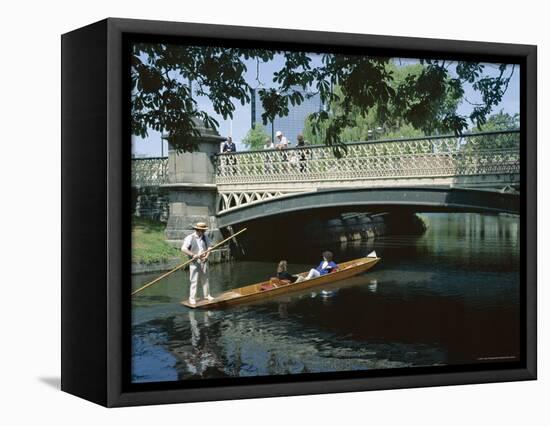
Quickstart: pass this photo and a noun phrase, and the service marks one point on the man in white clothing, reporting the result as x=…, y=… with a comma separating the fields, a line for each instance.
x=196, y=246
x=282, y=141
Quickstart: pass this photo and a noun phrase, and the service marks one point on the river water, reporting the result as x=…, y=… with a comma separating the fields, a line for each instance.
x=448, y=297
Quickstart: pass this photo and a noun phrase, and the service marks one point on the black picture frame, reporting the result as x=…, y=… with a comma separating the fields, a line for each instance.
x=95, y=213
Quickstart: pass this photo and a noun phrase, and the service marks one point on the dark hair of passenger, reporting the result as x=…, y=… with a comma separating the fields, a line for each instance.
x=327, y=255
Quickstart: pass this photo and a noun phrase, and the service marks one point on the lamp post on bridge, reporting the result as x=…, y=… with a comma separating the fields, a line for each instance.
x=273, y=125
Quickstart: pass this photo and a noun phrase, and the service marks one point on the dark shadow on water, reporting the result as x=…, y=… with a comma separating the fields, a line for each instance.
x=54, y=382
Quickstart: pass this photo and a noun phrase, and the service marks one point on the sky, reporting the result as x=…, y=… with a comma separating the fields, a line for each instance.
x=154, y=146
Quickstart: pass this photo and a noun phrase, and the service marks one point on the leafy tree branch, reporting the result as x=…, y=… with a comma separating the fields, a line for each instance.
x=166, y=79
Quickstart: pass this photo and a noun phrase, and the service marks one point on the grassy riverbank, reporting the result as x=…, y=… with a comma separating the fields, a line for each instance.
x=148, y=244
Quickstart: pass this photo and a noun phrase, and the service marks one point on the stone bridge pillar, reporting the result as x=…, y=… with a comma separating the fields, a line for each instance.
x=192, y=190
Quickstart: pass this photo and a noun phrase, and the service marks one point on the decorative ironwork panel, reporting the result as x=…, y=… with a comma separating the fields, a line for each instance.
x=149, y=171
x=236, y=199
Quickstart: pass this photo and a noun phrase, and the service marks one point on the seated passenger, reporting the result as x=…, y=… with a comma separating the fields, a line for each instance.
x=282, y=272
x=326, y=266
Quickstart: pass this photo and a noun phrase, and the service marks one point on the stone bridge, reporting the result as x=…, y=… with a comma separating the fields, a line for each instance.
x=474, y=172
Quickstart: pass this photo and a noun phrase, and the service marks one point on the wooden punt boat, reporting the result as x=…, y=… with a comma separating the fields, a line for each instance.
x=275, y=287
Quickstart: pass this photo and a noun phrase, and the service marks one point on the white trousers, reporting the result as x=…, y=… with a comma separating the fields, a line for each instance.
x=198, y=272
x=313, y=273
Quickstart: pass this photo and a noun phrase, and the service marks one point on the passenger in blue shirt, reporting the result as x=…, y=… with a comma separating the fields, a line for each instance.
x=326, y=266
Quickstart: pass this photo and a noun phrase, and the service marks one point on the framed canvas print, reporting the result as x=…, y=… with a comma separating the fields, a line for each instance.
x=252, y=212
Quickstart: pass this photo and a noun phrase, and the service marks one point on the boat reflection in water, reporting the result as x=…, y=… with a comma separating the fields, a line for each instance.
x=450, y=296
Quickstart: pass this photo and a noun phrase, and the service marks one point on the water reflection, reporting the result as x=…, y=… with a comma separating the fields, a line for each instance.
x=200, y=358
x=450, y=296
x=373, y=286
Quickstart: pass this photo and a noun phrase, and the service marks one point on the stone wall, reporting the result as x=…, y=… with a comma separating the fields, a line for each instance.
x=150, y=202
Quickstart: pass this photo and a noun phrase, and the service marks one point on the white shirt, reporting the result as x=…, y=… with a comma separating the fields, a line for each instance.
x=283, y=142
x=195, y=244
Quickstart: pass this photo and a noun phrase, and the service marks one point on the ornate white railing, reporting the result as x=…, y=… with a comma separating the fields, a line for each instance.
x=468, y=155
x=147, y=172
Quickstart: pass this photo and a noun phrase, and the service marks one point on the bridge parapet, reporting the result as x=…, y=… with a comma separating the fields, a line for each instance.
x=471, y=154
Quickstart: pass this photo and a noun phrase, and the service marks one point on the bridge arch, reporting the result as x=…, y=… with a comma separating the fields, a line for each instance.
x=378, y=200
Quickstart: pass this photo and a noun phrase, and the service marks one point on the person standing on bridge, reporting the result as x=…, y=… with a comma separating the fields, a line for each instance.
x=282, y=141
x=282, y=144
x=229, y=147
x=196, y=245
